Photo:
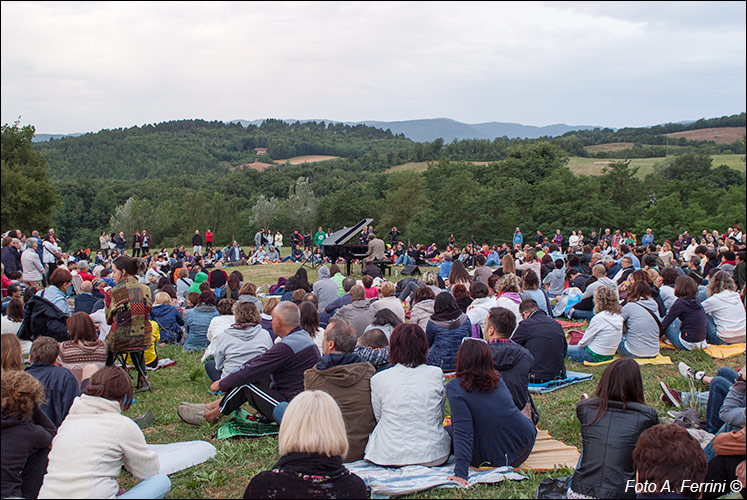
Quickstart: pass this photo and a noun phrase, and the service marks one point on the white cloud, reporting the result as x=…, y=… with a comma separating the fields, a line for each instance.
x=84, y=66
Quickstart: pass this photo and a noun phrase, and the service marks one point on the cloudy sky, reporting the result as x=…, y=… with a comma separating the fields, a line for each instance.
x=79, y=67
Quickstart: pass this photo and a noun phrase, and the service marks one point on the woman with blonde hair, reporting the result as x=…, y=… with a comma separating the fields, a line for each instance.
x=602, y=338
x=531, y=263
x=507, y=293
x=666, y=255
x=725, y=315
x=311, y=443
x=168, y=317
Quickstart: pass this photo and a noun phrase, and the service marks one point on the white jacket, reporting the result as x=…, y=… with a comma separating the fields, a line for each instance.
x=91, y=445
x=728, y=314
x=31, y=266
x=408, y=404
x=604, y=333
x=479, y=309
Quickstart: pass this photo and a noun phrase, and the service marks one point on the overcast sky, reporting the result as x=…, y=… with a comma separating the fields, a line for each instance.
x=79, y=67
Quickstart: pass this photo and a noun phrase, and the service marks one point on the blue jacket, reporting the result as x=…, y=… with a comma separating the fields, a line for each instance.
x=196, y=322
x=487, y=428
x=444, y=339
x=60, y=389
x=169, y=320
x=88, y=303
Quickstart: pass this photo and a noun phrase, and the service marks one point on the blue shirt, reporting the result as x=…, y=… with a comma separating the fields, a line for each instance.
x=56, y=297
x=445, y=269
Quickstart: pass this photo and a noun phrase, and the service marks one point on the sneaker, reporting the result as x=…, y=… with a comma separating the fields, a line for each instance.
x=162, y=363
x=193, y=415
x=689, y=373
x=259, y=418
x=670, y=396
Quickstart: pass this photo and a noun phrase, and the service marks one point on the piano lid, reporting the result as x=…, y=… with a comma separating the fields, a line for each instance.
x=343, y=235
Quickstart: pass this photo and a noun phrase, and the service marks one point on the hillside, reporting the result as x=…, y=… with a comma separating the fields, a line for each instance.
x=722, y=135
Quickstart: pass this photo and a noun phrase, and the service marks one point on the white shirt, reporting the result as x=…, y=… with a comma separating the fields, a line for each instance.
x=728, y=313
x=408, y=404
x=90, y=447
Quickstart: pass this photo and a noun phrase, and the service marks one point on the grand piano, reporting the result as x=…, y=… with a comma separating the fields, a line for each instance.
x=336, y=245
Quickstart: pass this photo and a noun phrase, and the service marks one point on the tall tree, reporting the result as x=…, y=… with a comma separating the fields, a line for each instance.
x=28, y=196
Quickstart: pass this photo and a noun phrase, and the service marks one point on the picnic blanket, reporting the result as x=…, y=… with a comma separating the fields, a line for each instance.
x=658, y=360
x=553, y=385
x=240, y=426
x=385, y=482
x=715, y=351
x=174, y=457
x=548, y=453
x=570, y=324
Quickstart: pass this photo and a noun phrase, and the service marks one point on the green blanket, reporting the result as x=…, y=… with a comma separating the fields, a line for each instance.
x=241, y=426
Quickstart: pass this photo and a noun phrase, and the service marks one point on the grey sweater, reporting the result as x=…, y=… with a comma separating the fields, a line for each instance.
x=733, y=410
x=235, y=347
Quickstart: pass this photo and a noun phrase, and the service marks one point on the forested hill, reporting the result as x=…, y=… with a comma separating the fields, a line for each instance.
x=198, y=147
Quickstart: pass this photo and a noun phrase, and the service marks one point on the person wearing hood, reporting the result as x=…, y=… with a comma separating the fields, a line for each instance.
x=168, y=317
x=602, y=338
x=248, y=293
x=359, y=312
x=511, y=360
x=725, y=320
x=325, y=288
x=347, y=378
x=240, y=343
x=96, y=440
x=29, y=429
x=220, y=324
x=445, y=331
x=197, y=321
x=195, y=286
x=422, y=306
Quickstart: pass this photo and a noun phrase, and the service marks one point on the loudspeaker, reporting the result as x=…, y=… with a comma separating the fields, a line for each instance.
x=411, y=269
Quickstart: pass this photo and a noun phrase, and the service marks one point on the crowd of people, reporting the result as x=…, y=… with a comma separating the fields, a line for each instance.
x=346, y=365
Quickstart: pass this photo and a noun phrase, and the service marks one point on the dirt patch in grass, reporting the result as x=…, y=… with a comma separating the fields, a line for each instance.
x=297, y=160
x=257, y=165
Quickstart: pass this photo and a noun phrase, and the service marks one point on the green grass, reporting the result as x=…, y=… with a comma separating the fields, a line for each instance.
x=590, y=166
x=238, y=460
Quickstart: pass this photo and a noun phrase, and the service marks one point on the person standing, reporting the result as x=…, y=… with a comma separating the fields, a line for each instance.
x=136, y=245
x=394, y=236
x=145, y=243
x=208, y=239
x=278, y=242
x=518, y=237
x=259, y=238
x=648, y=238
x=104, y=240
x=50, y=254
x=319, y=237
x=197, y=243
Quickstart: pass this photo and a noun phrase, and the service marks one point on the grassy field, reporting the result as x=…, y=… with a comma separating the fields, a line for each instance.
x=237, y=461
x=594, y=166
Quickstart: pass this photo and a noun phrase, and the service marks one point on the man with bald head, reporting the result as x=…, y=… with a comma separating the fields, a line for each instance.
x=85, y=301
x=585, y=308
x=267, y=380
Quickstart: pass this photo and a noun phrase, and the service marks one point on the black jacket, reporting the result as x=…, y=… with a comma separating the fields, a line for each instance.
x=514, y=363
x=41, y=317
x=29, y=436
x=608, y=444
x=543, y=337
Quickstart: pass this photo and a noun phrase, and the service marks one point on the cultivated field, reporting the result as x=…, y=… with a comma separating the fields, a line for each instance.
x=257, y=165
x=594, y=166
x=298, y=160
x=720, y=135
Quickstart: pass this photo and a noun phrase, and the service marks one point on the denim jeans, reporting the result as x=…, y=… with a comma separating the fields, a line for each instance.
x=156, y=486
x=404, y=260
x=211, y=370
x=712, y=332
x=713, y=399
x=623, y=351
x=411, y=287
x=580, y=354
x=492, y=262
x=580, y=314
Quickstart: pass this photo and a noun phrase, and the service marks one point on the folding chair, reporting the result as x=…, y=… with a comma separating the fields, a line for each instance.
x=138, y=359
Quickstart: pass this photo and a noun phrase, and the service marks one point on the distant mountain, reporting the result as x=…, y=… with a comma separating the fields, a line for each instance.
x=47, y=137
x=428, y=130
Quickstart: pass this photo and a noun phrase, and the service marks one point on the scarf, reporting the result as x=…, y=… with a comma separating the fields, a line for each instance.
x=312, y=464
x=337, y=359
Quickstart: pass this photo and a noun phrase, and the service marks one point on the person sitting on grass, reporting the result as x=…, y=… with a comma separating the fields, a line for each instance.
x=725, y=320
x=26, y=433
x=84, y=353
x=96, y=440
x=478, y=398
x=311, y=442
x=60, y=386
x=371, y=291
x=344, y=376
x=641, y=322
x=602, y=338
x=713, y=400
x=555, y=280
x=530, y=289
x=512, y=361
x=728, y=464
x=197, y=321
x=11, y=351
x=359, y=312
x=168, y=317
x=373, y=346
x=611, y=422
x=667, y=457
x=409, y=391
x=445, y=331
x=269, y=379
x=243, y=341
x=544, y=338
x=685, y=323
